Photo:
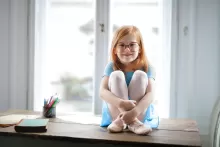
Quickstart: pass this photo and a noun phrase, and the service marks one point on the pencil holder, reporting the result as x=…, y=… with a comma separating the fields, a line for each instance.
x=49, y=112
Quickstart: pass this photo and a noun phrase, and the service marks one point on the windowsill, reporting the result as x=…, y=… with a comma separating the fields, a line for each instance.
x=81, y=118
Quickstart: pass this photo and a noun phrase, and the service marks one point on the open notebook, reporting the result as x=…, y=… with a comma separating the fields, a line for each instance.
x=13, y=119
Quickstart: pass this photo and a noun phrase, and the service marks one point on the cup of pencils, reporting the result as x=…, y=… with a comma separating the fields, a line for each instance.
x=49, y=108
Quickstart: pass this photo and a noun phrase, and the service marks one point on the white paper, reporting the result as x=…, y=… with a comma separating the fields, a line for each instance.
x=15, y=118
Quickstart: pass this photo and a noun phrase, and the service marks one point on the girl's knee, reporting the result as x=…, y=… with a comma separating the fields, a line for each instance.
x=117, y=75
x=140, y=74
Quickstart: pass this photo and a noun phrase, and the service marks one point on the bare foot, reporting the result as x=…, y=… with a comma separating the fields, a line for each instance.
x=116, y=126
x=139, y=128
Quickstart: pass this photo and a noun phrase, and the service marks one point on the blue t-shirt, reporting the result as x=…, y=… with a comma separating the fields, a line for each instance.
x=128, y=75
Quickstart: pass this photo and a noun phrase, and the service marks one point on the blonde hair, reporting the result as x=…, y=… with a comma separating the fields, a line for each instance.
x=141, y=61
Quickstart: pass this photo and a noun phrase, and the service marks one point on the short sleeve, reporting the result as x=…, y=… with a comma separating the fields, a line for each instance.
x=151, y=72
x=108, y=69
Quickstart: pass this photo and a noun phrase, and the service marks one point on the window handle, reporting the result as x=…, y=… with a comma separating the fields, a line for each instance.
x=102, y=27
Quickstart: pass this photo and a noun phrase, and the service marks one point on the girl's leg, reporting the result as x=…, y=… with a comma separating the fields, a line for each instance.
x=136, y=91
x=137, y=87
x=117, y=85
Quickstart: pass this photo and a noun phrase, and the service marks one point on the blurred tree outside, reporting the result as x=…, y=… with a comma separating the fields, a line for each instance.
x=73, y=87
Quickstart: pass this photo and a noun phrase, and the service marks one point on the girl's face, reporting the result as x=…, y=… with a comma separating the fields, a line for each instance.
x=127, y=49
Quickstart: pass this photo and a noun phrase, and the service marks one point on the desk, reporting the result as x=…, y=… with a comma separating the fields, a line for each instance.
x=171, y=132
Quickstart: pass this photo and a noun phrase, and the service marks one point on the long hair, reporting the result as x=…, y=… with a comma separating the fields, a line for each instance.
x=141, y=61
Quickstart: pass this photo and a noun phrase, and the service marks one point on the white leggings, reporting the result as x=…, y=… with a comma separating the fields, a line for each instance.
x=135, y=91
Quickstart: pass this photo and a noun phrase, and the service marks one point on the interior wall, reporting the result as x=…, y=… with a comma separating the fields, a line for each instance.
x=13, y=54
x=198, y=80
x=4, y=54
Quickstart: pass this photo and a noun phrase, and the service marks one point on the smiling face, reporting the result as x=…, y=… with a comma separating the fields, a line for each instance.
x=127, y=49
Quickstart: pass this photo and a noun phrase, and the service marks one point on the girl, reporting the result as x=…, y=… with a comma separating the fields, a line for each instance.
x=127, y=86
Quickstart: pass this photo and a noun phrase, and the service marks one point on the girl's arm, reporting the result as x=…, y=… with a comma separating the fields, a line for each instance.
x=144, y=103
x=108, y=96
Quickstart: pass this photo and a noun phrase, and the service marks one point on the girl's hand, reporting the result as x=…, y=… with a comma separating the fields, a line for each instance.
x=127, y=105
x=128, y=116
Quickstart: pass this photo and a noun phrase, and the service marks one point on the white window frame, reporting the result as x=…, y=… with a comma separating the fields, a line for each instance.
x=170, y=45
x=36, y=58
x=101, y=51
x=173, y=64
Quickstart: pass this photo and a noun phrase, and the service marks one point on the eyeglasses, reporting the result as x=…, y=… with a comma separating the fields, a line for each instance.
x=134, y=46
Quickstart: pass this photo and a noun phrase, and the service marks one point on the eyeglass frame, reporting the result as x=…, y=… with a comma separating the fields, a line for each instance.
x=127, y=45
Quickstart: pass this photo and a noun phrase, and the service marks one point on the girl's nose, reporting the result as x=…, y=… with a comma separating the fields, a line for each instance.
x=127, y=49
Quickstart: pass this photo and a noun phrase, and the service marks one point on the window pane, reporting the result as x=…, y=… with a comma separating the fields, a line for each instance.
x=69, y=53
x=145, y=14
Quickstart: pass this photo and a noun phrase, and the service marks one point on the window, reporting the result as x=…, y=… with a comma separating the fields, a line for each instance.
x=146, y=16
x=72, y=42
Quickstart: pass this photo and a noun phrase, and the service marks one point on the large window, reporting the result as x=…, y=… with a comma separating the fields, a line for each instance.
x=73, y=41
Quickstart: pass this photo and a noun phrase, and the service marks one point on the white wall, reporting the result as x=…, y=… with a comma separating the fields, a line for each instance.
x=13, y=54
x=207, y=79
x=198, y=70
x=4, y=54
x=198, y=57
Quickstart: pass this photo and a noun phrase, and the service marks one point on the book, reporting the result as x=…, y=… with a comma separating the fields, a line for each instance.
x=32, y=125
x=13, y=119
